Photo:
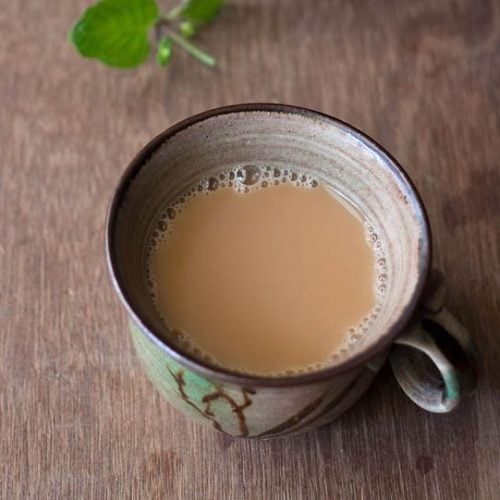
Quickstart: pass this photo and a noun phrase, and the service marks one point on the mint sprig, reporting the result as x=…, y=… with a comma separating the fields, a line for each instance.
x=117, y=32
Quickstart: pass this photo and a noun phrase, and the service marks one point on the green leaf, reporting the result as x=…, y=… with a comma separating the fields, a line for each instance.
x=164, y=51
x=116, y=31
x=201, y=11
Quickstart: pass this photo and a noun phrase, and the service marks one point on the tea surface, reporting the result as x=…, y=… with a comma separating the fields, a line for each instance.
x=267, y=281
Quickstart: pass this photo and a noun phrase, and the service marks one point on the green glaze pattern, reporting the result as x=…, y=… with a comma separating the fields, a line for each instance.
x=243, y=411
x=208, y=402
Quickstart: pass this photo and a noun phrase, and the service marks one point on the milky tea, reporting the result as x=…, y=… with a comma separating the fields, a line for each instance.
x=264, y=271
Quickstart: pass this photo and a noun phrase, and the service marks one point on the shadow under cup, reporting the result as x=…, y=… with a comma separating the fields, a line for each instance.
x=336, y=155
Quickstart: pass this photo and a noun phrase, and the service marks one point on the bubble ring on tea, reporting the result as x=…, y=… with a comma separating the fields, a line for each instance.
x=189, y=233
x=328, y=260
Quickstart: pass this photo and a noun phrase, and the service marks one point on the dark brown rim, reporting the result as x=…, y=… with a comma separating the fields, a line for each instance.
x=226, y=375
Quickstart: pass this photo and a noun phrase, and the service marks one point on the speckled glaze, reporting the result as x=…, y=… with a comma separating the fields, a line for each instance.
x=339, y=157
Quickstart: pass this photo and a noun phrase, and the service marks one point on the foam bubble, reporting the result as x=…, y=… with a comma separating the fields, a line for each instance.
x=213, y=183
x=248, y=175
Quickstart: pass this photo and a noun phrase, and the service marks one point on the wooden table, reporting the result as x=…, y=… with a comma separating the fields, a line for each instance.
x=78, y=417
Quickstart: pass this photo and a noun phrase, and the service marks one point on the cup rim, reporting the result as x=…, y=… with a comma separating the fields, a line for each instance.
x=232, y=376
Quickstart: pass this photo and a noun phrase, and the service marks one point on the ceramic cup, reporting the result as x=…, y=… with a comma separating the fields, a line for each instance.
x=430, y=352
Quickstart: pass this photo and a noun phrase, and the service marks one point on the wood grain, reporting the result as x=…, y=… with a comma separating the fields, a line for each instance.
x=78, y=419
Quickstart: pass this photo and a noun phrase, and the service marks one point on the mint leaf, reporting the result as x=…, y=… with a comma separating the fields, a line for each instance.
x=116, y=31
x=201, y=11
x=164, y=51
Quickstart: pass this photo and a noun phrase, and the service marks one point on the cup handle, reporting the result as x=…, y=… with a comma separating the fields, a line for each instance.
x=435, y=362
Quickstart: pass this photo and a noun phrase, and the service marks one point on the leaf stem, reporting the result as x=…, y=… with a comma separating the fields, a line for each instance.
x=173, y=13
x=197, y=53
